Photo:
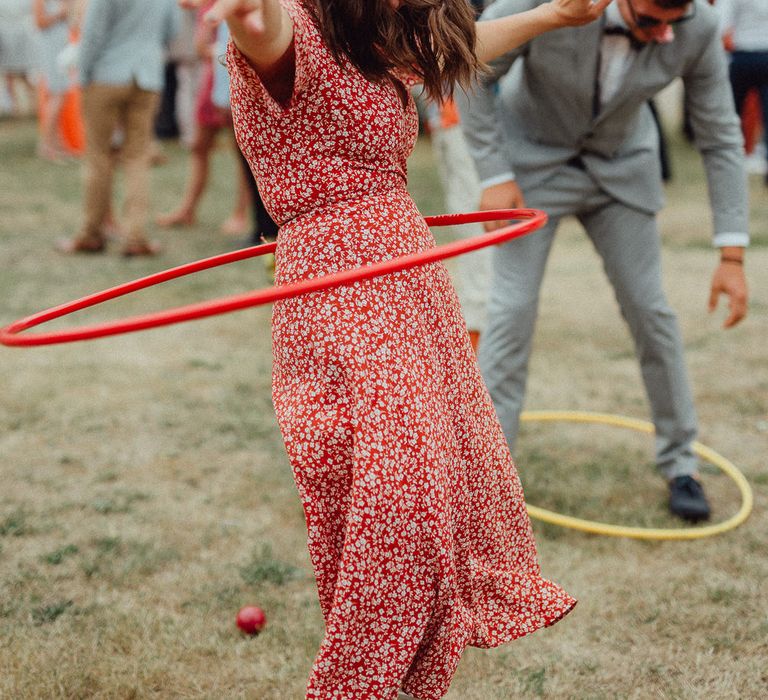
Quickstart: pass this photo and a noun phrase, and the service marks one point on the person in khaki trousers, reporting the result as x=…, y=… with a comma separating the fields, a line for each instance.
x=122, y=50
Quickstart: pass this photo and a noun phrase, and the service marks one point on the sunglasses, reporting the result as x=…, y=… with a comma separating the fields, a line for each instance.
x=647, y=22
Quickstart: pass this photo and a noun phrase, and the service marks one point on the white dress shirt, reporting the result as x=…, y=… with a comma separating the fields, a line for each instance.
x=616, y=56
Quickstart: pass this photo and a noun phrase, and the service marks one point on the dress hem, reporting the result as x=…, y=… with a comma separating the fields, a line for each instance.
x=506, y=639
x=426, y=694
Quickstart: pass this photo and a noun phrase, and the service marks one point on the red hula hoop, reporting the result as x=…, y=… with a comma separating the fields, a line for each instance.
x=10, y=335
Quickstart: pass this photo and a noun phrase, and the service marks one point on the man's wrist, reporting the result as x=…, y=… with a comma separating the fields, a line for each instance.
x=733, y=255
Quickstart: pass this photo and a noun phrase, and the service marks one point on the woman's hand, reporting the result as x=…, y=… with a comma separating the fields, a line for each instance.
x=249, y=13
x=261, y=29
x=496, y=37
x=573, y=13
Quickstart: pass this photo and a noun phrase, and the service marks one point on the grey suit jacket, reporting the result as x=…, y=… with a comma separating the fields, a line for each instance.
x=533, y=119
x=124, y=41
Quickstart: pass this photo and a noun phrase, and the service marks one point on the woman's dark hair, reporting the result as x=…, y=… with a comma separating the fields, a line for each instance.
x=432, y=39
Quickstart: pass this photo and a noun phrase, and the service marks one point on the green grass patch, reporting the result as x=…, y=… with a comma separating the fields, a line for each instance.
x=16, y=524
x=119, y=502
x=265, y=568
x=119, y=560
x=45, y=614
x=57, y=556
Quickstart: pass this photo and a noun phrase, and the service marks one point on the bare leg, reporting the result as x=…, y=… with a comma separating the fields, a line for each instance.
x=199, y=166
x=138, y=114
x=237, y=222
x=10, y=88
x=31, y=93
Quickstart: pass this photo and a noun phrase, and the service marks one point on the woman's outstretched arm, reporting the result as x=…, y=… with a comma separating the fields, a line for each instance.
x=499, y=36
x=261, y=29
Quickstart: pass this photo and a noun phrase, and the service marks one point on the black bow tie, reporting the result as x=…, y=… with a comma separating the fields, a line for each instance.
x=616, y=30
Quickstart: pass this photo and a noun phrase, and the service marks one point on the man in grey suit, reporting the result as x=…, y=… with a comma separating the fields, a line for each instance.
x=122, y=58
x=570, y=132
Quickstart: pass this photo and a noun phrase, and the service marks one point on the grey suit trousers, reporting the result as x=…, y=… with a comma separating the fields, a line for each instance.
x=628, y=242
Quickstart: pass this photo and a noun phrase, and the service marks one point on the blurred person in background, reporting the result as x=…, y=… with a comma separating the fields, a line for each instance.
x=461, y=192
x=52, y=19
x=188, y=67
x=745, y=23
x=263, y=228
x=17, y=63
x=210, y=120
x=122, y=55
x=175, y=118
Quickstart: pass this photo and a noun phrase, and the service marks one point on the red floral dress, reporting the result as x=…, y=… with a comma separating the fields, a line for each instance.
x=417, y=527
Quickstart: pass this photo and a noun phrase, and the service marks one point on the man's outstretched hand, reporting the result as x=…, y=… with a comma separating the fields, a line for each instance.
x=729, y=279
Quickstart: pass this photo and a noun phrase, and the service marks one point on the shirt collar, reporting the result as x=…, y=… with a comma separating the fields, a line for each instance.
x=613, y=17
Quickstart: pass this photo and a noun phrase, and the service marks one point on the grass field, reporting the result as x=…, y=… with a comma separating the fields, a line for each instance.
x=145, y=495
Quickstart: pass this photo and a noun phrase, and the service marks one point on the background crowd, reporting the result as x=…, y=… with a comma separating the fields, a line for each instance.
x=57, y=56
x=41, y=44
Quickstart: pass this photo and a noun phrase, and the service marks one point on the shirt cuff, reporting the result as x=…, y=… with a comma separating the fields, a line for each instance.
x=731, y=238
x=504, y=177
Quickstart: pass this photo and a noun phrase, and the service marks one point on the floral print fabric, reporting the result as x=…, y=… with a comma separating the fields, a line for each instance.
x=417, y=528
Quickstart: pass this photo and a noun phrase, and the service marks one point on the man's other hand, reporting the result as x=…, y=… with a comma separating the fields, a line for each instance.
x=506, y=195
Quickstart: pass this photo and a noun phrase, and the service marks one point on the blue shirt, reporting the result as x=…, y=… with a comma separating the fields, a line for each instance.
x=124, y=41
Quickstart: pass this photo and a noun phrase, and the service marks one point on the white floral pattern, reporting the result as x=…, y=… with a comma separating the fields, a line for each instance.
x=416, y=522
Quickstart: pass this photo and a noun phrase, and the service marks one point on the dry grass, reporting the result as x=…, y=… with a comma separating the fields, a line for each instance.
x=145, y=494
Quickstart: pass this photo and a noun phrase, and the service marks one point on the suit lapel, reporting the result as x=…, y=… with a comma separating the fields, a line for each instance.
x=588, y=40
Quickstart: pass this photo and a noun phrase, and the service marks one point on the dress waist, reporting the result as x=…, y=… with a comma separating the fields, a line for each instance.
x=322, y=185
x=373, y=198
x=349, y=233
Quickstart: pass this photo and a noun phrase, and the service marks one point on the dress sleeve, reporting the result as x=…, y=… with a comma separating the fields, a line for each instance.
x=309, y=53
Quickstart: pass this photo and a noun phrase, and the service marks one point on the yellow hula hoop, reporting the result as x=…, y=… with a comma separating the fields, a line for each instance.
x=642, y=533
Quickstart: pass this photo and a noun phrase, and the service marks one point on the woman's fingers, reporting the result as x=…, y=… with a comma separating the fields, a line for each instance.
x=222, y=9
x=240, y=9
x=254, y=20
x=576, y=12
x=249, y=12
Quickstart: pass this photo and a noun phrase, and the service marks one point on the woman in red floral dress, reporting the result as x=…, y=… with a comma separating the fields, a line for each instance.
x=417, y=527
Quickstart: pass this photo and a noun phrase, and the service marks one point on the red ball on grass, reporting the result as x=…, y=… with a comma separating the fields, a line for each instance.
x=251, y=619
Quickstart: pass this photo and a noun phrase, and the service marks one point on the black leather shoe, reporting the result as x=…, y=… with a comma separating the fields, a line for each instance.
x=687, y=499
